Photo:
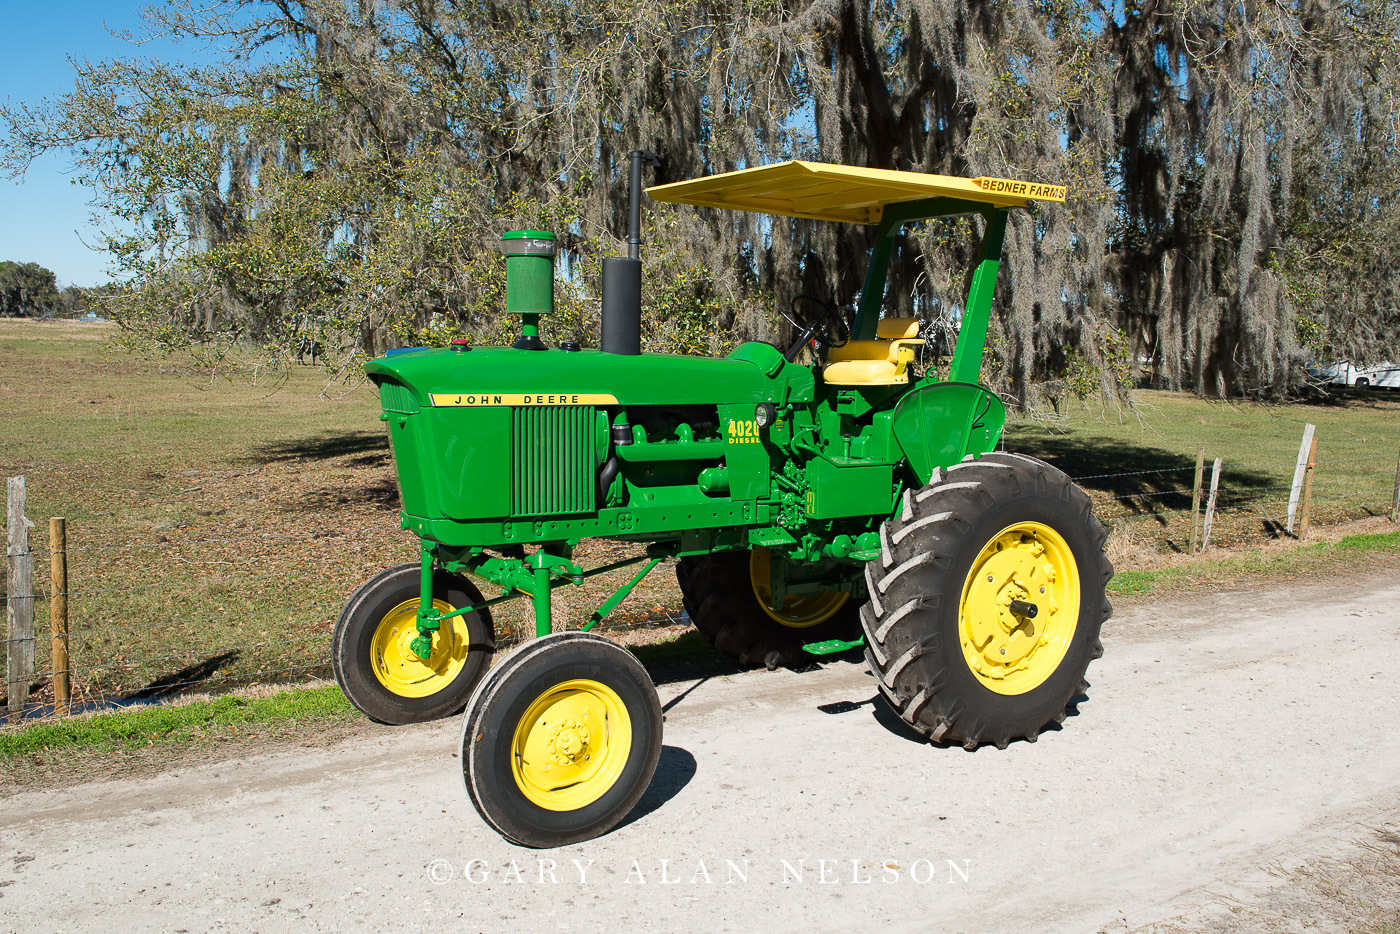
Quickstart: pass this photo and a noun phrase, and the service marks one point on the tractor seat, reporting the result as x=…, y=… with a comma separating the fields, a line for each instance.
x=881, y=362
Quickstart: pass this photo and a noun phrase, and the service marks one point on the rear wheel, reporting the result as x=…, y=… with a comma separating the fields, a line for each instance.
x=561, y=740
x=373, y=660
x=728, y=596
x=987, y=601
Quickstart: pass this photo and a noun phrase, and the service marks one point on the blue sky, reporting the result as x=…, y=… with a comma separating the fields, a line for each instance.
x=44, y=218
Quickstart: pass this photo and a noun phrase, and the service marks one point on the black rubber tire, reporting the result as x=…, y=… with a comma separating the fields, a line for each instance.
x=718, y=596
x=503, y=697
x=1362, y=382
x=911, y=620
x=351, y=646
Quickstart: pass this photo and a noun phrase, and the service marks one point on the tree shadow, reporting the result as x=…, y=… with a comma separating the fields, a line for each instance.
x=1144, y=480
x=1350, y=397
x=674, y=770
x=382, y=493
x=328, y=445
x=380, y=459
x=179, y=681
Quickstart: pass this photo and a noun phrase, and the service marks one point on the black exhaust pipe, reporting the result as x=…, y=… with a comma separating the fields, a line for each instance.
x=622, y=278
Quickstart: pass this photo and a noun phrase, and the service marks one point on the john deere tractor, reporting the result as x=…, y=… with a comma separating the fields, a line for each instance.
x=810, y=508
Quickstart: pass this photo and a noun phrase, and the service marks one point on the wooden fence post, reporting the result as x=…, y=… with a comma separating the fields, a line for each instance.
x=1295, y=491
x=19, y=602
x=1210, y=506
x=1307, y=489
x=1395, y=497
x=58, y=612
x=1196, y=497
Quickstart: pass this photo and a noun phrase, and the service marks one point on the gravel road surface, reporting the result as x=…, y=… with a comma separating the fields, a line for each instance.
x=1222, y=734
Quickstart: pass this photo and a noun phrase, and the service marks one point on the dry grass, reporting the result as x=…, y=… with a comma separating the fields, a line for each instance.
x=216, y=525
x=1357, y=892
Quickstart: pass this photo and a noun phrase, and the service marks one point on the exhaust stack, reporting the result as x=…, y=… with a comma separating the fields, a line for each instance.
x=622, y=278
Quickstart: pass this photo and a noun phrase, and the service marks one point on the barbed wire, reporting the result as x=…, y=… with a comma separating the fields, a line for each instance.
x=1132, y=473
x=165, y=584
x=1327, y=461
x=337, y=533
x=208, y=653
x=80, y=632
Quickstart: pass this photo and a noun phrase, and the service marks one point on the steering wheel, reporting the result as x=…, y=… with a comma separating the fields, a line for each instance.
x=815, y=330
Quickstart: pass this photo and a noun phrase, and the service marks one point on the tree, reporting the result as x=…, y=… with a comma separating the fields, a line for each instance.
x=27, y=290
x=353, y=181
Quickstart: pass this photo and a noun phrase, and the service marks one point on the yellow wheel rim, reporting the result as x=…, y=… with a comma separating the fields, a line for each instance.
x=571, y=745
x=799, y=611
x=400, y=669
x=1014, y=653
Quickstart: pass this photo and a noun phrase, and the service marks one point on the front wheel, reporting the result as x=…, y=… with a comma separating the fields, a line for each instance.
x=561, y=740
x=372, y=655
x=987, y=601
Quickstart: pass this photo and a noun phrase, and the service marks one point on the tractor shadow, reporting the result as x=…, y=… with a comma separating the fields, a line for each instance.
x=674, y=770
x=882, y=714
x=687, y=657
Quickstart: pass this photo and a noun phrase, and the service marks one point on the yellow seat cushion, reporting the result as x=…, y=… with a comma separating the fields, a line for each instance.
x=893, y=329
x=880, y=362
x=861, y=373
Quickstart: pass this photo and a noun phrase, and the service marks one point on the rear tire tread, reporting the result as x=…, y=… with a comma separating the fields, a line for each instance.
x=718, y=596
x=912, y=580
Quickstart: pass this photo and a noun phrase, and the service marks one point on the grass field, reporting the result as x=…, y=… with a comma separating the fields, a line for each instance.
x=216, y=525
x=1139, y=465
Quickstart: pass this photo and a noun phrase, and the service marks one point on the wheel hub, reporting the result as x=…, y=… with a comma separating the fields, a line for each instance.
x=1020, y=607
x=396, y=662
x=571, y=744
x=567, y=741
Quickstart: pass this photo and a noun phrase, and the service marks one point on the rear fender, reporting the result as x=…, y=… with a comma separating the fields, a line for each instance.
x=939, y=425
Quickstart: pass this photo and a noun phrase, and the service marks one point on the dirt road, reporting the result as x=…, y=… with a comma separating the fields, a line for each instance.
x=1221, y=735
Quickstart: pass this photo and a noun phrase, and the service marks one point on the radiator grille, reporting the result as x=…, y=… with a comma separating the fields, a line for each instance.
x=553, y=461
x=395, y=397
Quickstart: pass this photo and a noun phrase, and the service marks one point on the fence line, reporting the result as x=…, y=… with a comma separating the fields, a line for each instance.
x=251, y=538
x=76, y=632
x=273, y=652
x=1132, y=473
x=222, y=650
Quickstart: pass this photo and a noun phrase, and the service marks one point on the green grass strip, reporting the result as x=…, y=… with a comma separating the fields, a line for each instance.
x=132, y=729
x=1253, y=565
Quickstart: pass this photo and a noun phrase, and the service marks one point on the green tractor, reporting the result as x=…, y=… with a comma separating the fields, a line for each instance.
x=810, y=507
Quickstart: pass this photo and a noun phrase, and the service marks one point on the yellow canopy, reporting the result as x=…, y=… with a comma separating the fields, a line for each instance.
x=820, y=191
